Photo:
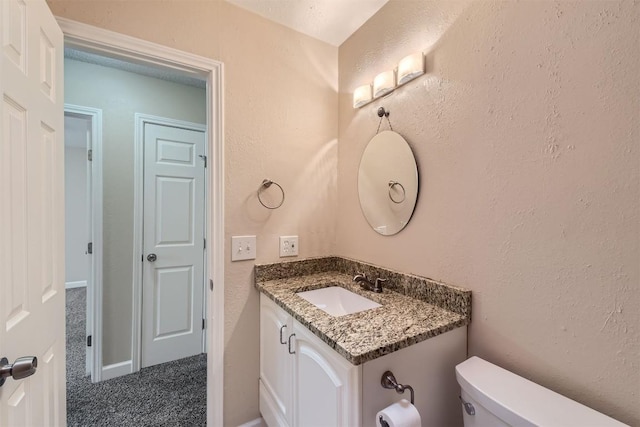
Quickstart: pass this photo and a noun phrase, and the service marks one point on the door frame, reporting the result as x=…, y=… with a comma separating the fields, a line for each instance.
x=115, y=45
x=140, y=120
x=94, y=284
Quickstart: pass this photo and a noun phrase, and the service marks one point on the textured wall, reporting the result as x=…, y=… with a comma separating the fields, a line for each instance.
x=281, y=122
x=526, y=134
x=525, y=130
x=120, y=95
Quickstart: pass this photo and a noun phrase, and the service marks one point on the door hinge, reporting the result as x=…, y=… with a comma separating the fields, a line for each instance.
x=211, y=284
x=204, y=158
x=205, y=243
x=90, y=248
x=89, y=341
x=204, y=324
x=90, y=155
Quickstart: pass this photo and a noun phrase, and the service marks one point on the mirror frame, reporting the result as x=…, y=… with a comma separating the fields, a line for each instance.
x=383, y=212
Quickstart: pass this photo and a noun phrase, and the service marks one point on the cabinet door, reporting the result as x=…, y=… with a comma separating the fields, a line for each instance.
x=275, y=364
x=327, y=387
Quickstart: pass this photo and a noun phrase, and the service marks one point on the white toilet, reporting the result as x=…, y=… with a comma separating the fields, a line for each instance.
x=492, y=396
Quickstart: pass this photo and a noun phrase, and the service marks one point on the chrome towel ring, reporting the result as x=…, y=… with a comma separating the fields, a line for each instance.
x=266, y=183
x=396, y=200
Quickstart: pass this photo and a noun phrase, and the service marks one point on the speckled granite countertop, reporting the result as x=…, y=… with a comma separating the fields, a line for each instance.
x=359, y=337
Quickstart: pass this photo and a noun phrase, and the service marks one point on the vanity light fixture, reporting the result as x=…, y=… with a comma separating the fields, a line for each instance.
x=384, y=83
x=410, y=67
x=362, y=96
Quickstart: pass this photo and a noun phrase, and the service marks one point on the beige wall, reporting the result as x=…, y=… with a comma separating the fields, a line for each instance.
x=526, y=134
x=120, y=95
x=525, y=130
x=281, y=123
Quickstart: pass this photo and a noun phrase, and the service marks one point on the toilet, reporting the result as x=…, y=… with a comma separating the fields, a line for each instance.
x=492, y=396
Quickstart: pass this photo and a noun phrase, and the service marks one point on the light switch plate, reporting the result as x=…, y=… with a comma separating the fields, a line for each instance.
x=243, y=248
x=288, y=246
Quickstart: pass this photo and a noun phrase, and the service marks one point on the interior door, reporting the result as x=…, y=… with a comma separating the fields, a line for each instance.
x=173, y=273
x=32, y=213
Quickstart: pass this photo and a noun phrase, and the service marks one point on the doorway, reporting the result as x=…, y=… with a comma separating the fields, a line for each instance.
x=130, y=49
x=83, y=215
x=173, y=198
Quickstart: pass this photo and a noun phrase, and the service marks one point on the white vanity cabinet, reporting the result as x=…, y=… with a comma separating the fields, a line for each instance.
x=303, y=382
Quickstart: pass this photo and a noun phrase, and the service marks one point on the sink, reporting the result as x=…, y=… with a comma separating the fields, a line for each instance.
x=337, y=301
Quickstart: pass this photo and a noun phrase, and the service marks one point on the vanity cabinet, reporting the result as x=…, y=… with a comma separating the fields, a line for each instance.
x=303, y=382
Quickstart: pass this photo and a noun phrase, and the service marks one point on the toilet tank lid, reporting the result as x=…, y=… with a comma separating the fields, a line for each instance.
x=519, y=401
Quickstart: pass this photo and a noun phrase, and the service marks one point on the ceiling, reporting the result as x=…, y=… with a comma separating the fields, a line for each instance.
x=332, y=21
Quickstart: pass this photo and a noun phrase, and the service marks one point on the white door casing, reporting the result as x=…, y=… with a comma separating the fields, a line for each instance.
x=32, y=212
x=173, y=283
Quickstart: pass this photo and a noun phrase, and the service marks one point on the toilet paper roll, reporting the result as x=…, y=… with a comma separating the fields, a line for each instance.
x=400, y=414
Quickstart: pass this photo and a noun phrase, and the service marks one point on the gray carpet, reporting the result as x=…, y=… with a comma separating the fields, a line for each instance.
x=171, y=394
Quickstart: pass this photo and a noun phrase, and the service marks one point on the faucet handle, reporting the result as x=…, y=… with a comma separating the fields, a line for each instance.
x=359, y=276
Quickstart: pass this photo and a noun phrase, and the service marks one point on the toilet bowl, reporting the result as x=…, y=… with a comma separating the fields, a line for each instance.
x=492, y=396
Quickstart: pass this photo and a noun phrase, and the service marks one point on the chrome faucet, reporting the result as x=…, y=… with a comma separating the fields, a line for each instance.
x=367, y=284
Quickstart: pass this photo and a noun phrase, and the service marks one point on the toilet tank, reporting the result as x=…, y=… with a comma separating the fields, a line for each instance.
x=502, y=398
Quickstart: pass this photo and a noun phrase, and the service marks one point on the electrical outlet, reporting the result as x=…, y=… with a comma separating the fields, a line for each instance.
x=243, y=247
x=288, y=246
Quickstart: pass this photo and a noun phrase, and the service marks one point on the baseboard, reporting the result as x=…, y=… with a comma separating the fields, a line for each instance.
x=258, y=422
x=117, y=370
x=78, y=284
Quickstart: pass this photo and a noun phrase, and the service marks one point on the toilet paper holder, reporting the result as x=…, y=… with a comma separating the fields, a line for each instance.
x=388, y=380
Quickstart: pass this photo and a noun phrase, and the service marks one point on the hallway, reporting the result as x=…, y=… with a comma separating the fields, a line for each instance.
x=170, y=394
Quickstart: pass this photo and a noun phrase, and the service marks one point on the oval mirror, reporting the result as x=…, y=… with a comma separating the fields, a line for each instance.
x=388, y=183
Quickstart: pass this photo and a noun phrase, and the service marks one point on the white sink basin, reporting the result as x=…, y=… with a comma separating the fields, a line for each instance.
x=337, y=301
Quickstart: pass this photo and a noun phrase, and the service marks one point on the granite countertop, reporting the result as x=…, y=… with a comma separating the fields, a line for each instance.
x=359, y=337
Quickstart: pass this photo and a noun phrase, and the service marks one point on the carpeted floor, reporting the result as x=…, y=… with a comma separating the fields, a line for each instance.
x=171, y=394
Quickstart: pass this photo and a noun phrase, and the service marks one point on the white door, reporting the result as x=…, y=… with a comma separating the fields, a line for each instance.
x=173, y=281
x=32, y=212
x=326, y=386
x=276, y=364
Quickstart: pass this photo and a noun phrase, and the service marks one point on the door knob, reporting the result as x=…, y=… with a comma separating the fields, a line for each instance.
x=23, y=367
x=151, y=257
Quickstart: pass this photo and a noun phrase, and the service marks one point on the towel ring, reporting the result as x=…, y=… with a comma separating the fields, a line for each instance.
x=404, y=194
x=266, y=183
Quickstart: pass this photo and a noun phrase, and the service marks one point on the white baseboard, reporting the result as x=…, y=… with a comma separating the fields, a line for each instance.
x=117, y=370
x=78, y=284
x=258, y=422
